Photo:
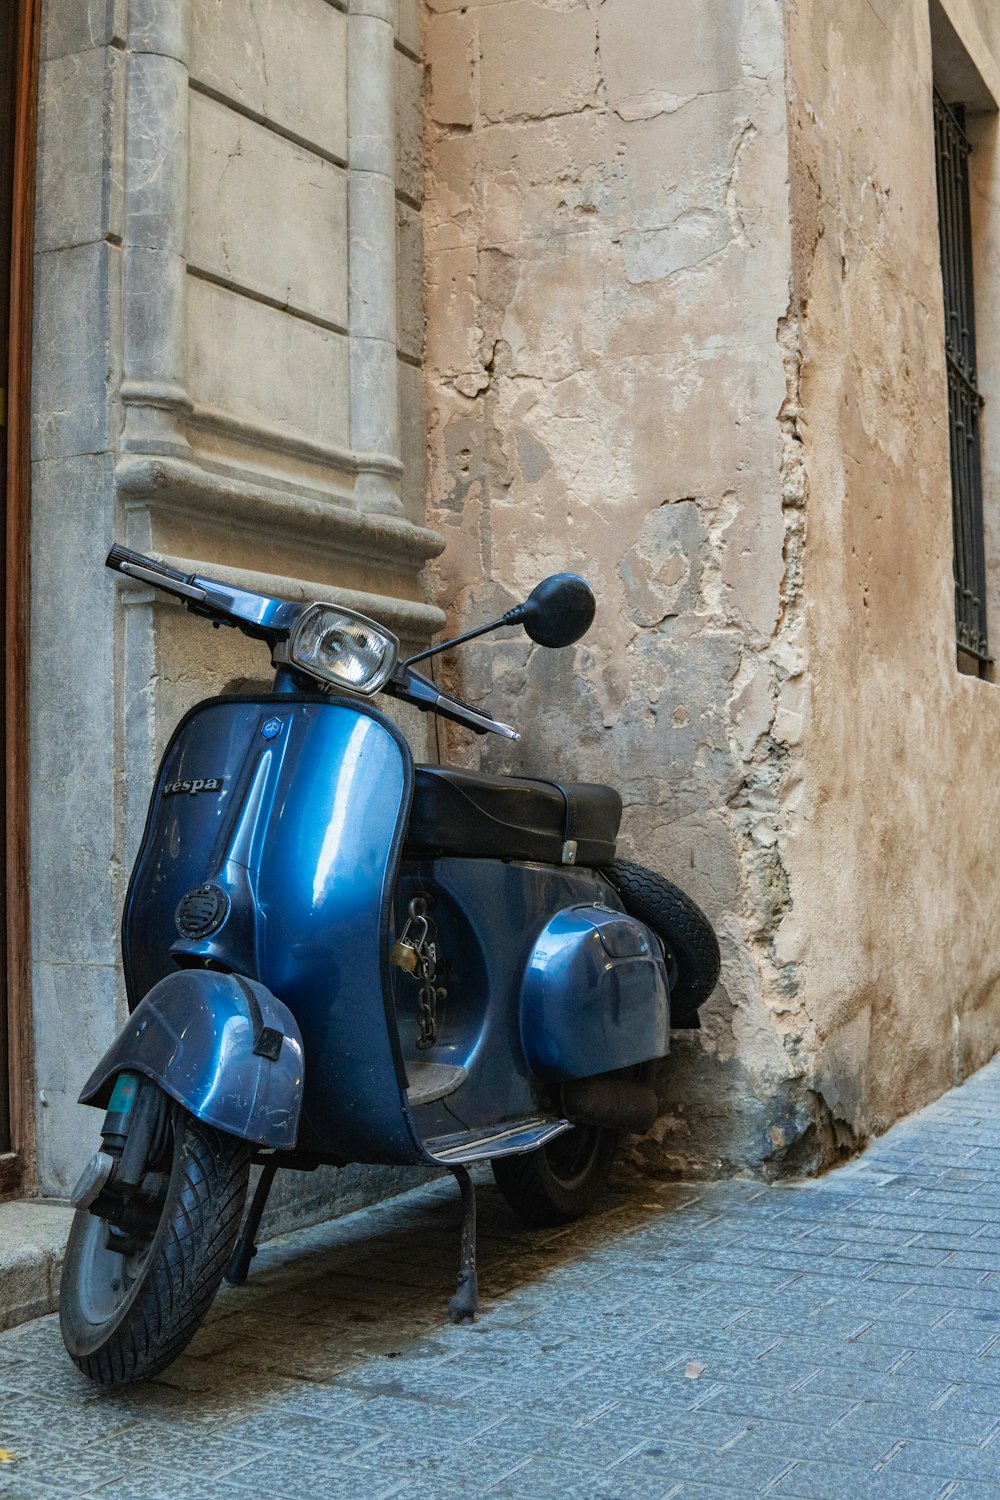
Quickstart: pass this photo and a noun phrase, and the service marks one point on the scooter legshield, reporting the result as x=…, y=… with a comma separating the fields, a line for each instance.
x=271, y=851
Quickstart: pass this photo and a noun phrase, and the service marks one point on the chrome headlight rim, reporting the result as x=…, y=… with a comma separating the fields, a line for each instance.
x=373, y=684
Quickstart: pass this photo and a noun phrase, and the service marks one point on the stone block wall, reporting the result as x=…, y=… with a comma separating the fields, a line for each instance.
x=73, y=796
x=229, y=335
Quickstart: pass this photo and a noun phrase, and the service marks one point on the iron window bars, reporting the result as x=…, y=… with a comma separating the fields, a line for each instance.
x=964, y=400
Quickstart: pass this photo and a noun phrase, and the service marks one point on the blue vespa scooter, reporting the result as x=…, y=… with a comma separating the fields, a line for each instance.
x=332, y=955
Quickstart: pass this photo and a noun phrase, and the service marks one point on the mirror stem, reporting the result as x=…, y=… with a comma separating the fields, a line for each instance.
x=512, y=617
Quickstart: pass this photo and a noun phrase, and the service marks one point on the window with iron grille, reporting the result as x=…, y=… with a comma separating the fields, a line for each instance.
x=964, y=400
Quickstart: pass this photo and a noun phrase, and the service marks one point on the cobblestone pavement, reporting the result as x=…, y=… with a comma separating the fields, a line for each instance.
x=837, y=1339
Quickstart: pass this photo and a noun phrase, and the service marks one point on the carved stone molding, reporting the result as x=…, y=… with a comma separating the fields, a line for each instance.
x=309, y=482
x=157, y=482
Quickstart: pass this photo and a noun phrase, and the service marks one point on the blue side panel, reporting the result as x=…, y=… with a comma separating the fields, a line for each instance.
x=189, y=835
x=487, y=916
x=302, y=838
x=595, y=995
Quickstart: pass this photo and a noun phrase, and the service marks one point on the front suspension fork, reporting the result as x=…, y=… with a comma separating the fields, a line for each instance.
x=117, y=1183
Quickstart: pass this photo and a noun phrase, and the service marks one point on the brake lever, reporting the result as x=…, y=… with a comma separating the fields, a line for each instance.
x=414, y=688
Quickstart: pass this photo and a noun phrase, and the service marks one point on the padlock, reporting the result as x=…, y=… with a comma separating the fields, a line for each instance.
x=404, y=956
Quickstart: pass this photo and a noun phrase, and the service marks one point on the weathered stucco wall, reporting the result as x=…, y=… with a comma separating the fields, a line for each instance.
x=613, y=377
x=892, y=864
x=690, y=344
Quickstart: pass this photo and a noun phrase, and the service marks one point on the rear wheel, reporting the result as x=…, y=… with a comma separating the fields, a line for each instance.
x=692, y=949
x=131, y=1299
x=561, y=1180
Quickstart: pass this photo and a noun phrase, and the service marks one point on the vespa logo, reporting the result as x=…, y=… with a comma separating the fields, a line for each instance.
x=198, y=784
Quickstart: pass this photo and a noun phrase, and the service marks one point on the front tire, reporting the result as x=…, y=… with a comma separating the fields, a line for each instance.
x=560, y=1181
x=125, y=1317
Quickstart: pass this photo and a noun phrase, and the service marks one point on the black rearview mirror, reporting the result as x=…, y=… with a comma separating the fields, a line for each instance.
x=558, y=611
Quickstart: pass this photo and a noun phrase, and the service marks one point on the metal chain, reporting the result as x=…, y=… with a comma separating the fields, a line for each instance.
x=427, y=1001
x=416, y=952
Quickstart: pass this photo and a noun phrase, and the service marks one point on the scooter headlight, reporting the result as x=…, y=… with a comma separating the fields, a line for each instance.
x=342, y=648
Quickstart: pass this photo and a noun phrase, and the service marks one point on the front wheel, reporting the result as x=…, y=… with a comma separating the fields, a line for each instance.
x=560, y=1181
x=129, y=1303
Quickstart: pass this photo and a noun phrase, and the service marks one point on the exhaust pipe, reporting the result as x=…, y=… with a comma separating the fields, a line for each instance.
x=613, y=1103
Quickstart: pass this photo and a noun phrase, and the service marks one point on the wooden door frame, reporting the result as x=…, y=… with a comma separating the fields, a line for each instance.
x=17, y=1167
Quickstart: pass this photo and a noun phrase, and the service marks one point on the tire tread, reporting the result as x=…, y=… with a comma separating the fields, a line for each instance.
x=205, y=1203
x=684, y=928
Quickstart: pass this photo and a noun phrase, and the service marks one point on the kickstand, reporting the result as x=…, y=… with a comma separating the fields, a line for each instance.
x=462, y=1306
x=239, y=1264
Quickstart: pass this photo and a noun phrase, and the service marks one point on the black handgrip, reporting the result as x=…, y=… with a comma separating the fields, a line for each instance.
x=473, y=708
x=119, y=555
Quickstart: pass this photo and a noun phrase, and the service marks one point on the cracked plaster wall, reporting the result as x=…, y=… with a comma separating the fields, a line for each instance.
x=684, y=336
x=892, y=864
x=613, y=386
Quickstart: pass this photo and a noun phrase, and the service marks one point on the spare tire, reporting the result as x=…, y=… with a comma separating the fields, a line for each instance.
x=692, y=948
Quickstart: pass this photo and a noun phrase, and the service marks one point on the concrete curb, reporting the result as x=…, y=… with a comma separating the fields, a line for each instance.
x=32, y=1240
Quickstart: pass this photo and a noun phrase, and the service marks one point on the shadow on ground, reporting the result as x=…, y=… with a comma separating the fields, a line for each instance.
x=367, y=1286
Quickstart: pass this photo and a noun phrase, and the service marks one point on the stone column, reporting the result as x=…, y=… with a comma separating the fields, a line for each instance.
x=153, y=387
x=371, y=153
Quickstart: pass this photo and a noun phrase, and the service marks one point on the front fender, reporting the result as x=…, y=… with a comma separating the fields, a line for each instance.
x=194, y=1033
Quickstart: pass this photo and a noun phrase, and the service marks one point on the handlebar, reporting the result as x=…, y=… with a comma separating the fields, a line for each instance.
x=272, y=620
x=149, y=570
x=415, y=688
x=256, y=615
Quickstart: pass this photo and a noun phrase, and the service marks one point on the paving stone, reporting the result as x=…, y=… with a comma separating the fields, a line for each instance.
x=981, y=1299
x=437, y=1488
x=346, y=1483
x=673, y=1461
x=931, y=1334
x=948, y=1460
x=690, y=1489
x=951, y=1368
x=479, y=1465
x=944, y=1425
x=598, y=1443
x=862, y=1354
x=540, y=1477
x=619, y=1486
x=69, y=1472
x=14, y=1483
x=837, y=1338
x=833, y=1446
x=981, y=1398
x=781, y=1405
x=872, y=1385
x=155, y=1484
x=822, y=1481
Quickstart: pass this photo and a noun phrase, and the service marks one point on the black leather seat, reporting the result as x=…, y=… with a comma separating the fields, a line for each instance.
x=511, y=817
